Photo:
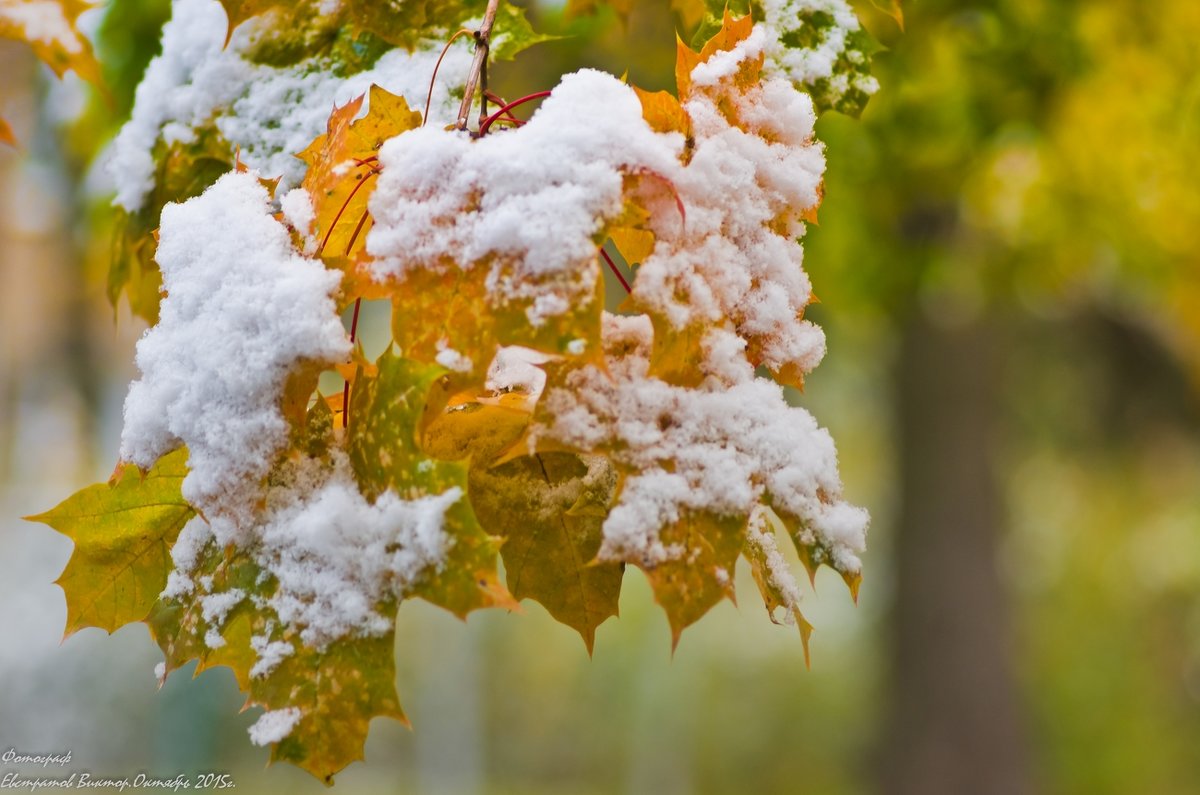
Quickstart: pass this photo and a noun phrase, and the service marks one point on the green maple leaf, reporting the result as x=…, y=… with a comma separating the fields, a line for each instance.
x=338, y=689
x=123, y=532
x=178, y=627
x=406, y=24
x=549, y=508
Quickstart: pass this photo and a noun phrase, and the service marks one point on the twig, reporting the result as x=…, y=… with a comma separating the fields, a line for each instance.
x=346, y=388
x=436, y=67
x=482, y=38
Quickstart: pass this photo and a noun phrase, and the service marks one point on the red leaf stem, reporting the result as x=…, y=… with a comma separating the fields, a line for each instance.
x=490, y=120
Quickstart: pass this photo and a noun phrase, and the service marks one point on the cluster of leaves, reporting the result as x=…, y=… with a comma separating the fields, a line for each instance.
x=410, y=426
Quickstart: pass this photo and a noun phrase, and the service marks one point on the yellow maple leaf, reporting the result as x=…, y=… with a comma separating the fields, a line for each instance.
x=342, y=164
x=690, y=584
x=123, y=532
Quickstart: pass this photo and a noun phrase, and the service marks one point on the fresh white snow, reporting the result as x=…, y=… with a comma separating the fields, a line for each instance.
x=242, y=311
x=268, y=113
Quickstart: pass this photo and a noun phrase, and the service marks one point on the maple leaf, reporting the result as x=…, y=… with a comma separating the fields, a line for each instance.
x=549, y=508
x=893, y=8
x=771, y=574
x=384, y=453
x=733, y=30
x=471, y=422
x=813, y=554
x=432, y=424
x=439, y=309
x=632, y=232
x=49, y=27
x=404, y=25
x=123, y=531
x=699, y=574
x=342, y=165
x=6, y=134
x=335, y=690
x=677, y=347
x=238, y=11
x=178, y=626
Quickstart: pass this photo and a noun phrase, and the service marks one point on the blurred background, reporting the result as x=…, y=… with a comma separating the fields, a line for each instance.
x=1008, y=262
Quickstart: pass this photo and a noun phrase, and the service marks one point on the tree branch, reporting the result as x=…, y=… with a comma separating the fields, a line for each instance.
x=482, y=39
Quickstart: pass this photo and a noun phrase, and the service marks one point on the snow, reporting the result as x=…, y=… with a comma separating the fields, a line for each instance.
x=242, y=311
x=812, y=66
x=724, y=64
x=452, y=359
x=274, y=726
x=721, y=450
x=267, y=113
x=332, y=555
x=760, y=535
x=336, y=556
x=269, y=655
x=516, y=369
x=738, y=258
x=185, y=554
x=216, y=607
x=528, y=202
x=297, y=208
x=528, y=205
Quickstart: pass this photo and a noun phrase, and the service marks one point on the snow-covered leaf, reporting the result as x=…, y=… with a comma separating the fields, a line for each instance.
x=386, y=412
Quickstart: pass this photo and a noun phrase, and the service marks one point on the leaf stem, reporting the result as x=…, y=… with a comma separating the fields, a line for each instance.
x=345, y=204
x=490, y=120
x=482, y=39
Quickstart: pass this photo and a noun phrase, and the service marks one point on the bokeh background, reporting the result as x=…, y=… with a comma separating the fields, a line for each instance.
x=1008, y=262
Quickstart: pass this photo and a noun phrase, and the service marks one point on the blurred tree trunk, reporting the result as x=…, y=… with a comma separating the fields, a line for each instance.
x=955, y=724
